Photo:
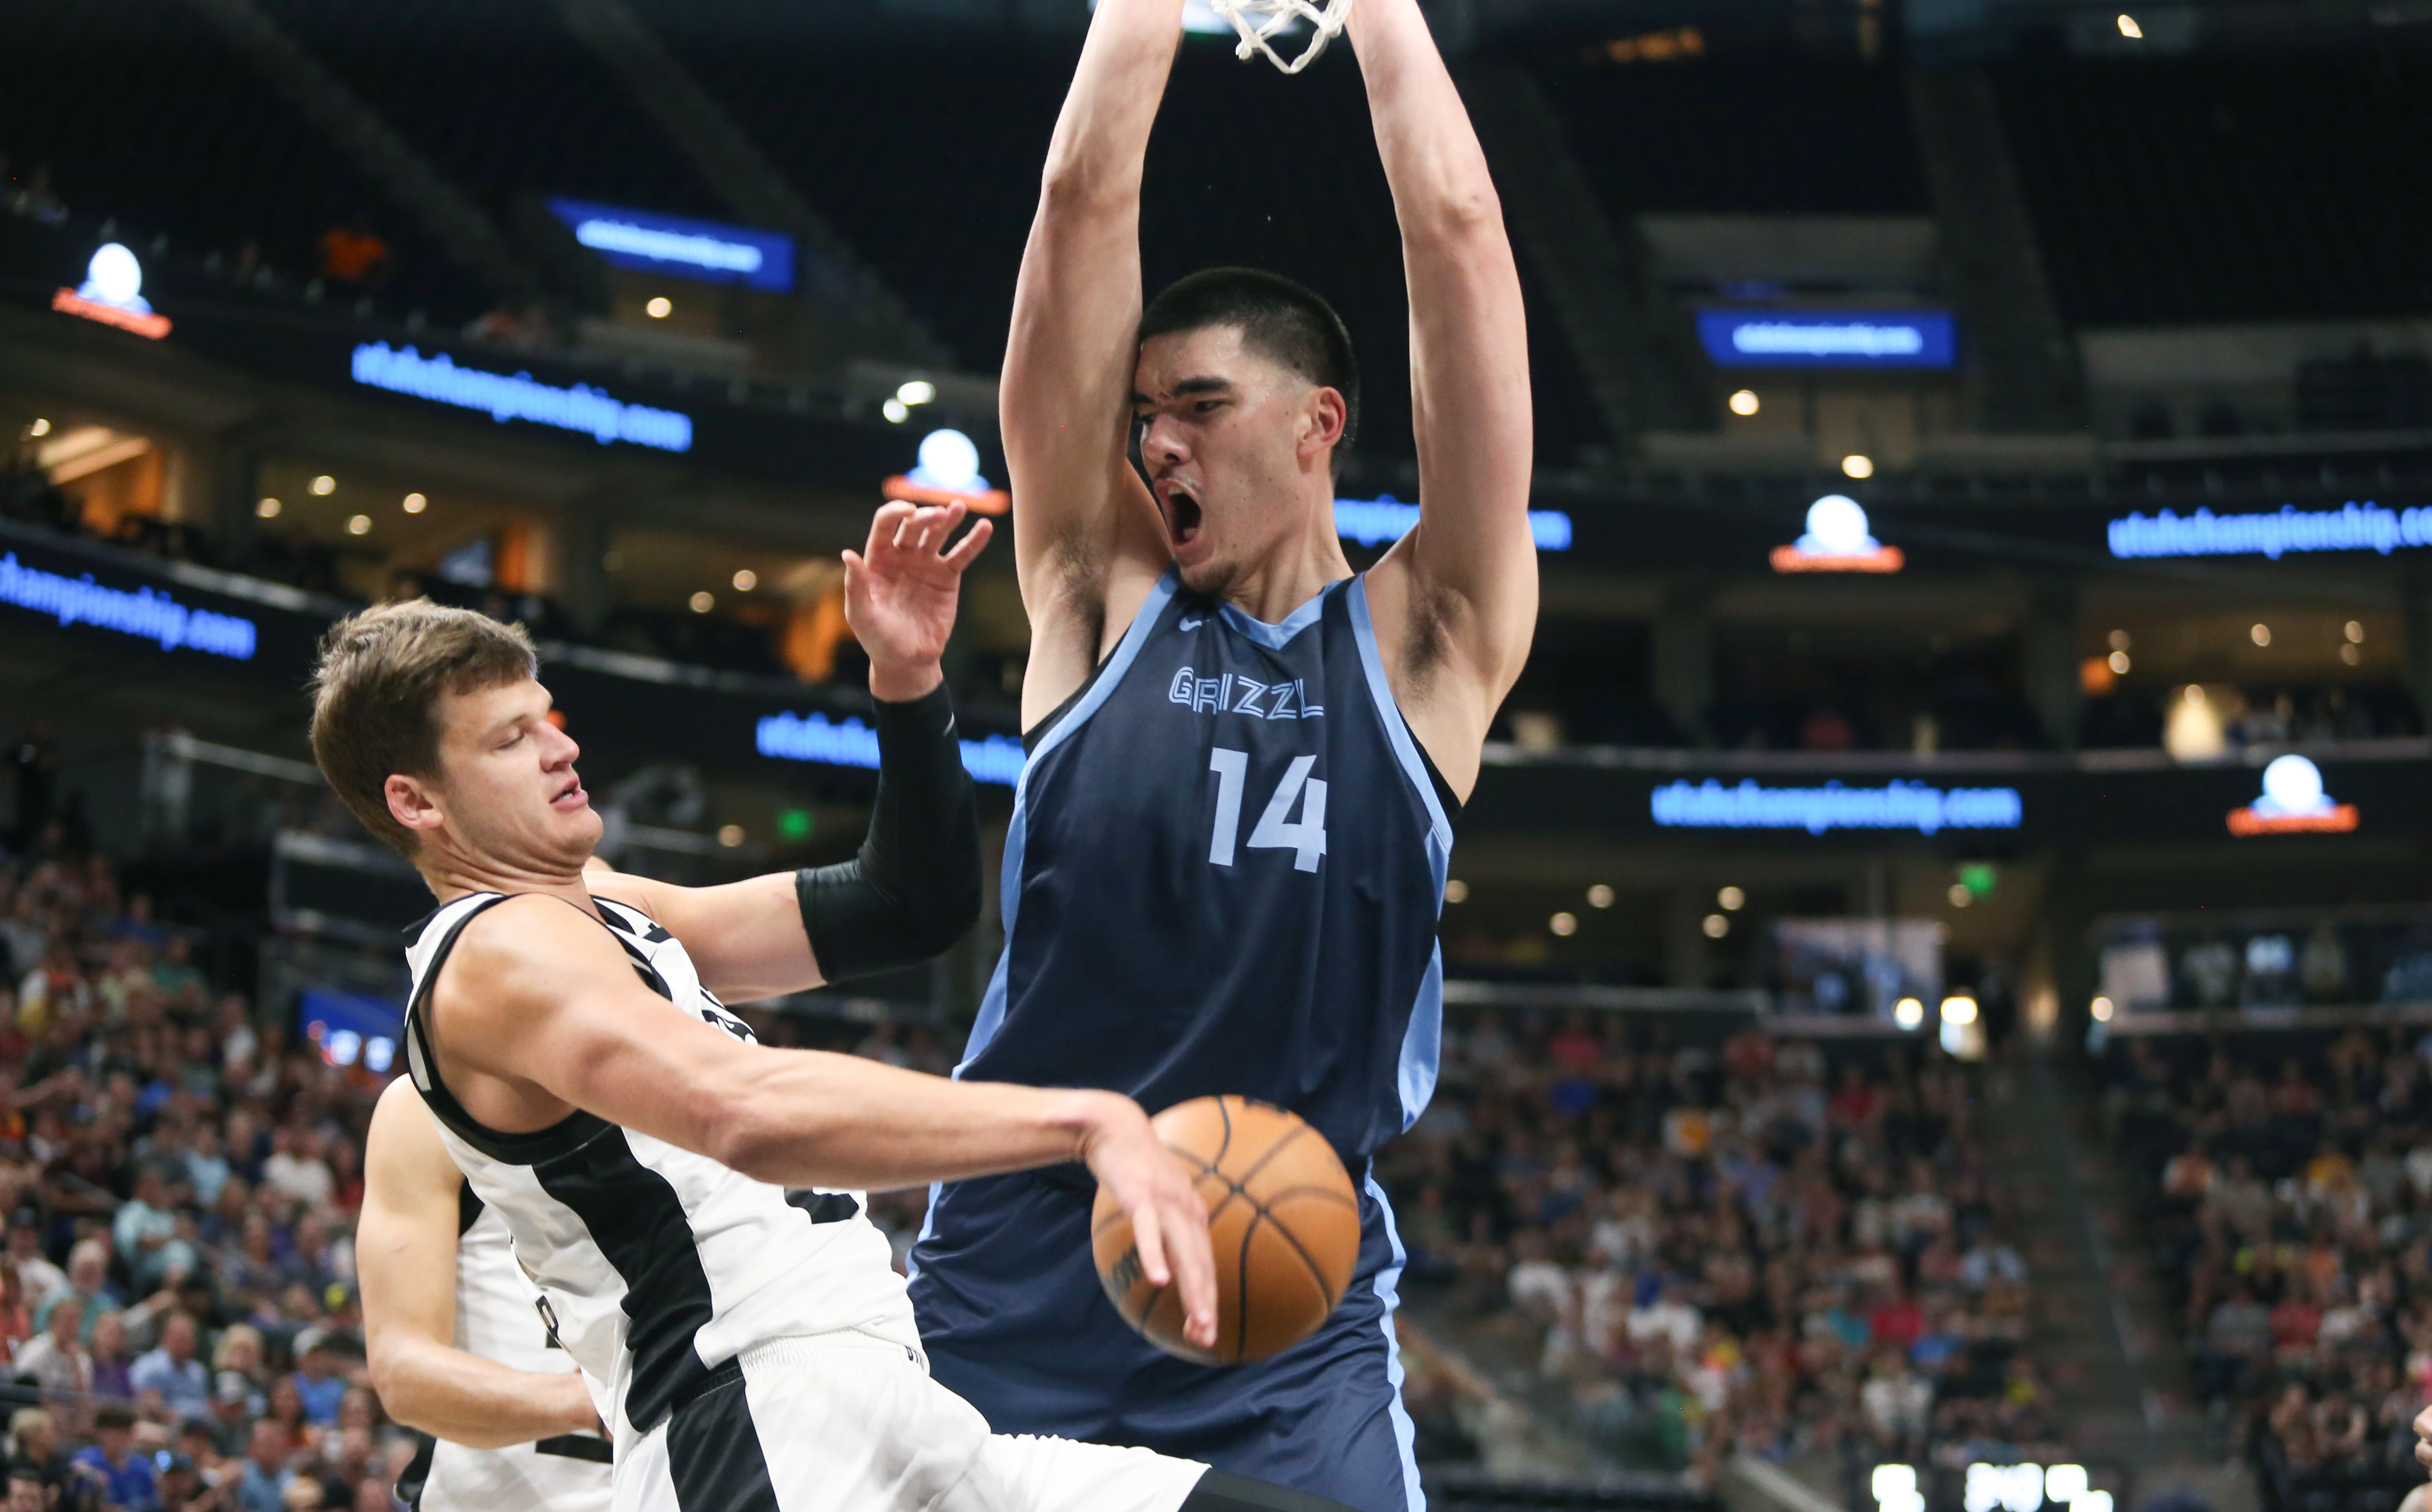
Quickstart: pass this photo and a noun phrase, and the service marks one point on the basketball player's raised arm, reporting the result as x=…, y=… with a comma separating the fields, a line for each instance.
x=405, y=1256
x=553, y=1003
x=1466, y=579
x=1086, y=533
x=914, y=887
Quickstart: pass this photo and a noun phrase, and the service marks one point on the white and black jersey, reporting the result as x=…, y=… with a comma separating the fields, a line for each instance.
x=659, y=1264
x=500, y=1317
x=758, y=1346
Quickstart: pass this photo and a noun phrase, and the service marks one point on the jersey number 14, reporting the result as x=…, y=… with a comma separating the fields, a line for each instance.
x=1304, y=837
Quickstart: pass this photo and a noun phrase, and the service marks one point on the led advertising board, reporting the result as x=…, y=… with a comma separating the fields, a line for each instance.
x=1829, y=338
x=648, y=242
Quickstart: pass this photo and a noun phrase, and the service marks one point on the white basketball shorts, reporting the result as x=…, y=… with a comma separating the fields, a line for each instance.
x=849, y=1422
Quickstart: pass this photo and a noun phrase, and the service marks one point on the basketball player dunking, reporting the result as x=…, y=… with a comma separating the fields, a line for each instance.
x=685, y=1198
x=1228, y=849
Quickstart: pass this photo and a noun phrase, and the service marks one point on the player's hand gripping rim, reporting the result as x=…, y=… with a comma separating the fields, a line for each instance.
x=1169, y=1220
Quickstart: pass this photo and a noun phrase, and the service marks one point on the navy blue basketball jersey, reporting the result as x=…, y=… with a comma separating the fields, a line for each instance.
x=1224, y=875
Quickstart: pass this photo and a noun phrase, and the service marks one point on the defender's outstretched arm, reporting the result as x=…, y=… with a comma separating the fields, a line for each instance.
x=1462, y=585
x=538, y=995
x=405, y=1251
x=1085, y=530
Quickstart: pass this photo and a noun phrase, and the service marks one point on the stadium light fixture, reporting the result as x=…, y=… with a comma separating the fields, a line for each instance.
x=1745, y=402
x=1838, y=540
x=1717, y=926
x=2129, y=28
x=2100, y=1011
x=415, y=504
x=1858, y=464
x=1959, y=1009
x=1908, y=1013
x=42, y=427
x=2119, y=663
x=896, y=410
x=324, y=486
x=358, y=525
x=746, y=580
x=660, y=307
x=1563, y=925
x=1456, y=890
x=267, y=509
x=2259, y=633
x=916, y=391
x=2356, y=627
x=702, y=602
x=1731, y=899
x=1601, y=896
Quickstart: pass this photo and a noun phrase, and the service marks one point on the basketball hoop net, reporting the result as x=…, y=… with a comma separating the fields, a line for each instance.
x=1258, y=19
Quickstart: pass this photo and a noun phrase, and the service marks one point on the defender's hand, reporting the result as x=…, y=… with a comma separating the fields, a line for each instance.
x=2423, y=1453
x=1169, y=1221
x=901, y=590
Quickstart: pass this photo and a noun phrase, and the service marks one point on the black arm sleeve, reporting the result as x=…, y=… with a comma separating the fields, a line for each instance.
x=914, y=887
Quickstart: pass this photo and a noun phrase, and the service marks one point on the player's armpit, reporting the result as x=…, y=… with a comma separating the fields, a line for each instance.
x=1457, y=598
x=405, y=1248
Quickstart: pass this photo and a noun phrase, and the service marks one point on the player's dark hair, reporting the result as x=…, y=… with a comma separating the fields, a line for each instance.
x=376, y=691
x=1280, y=320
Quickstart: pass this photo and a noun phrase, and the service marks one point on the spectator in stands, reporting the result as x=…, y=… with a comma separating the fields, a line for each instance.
x=353, y=256
x=126, y=1475
x=316, y=1381
x=113, y=1372
x=55, y=1358
x=34, y=1446
x=262, y=1476
x=172, y=1371
x=295, y=1170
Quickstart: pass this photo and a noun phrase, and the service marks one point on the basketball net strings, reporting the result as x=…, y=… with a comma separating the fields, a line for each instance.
x=1326, y=21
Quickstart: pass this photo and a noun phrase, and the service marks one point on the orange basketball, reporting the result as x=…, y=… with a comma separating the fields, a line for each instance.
x=1281, y=1217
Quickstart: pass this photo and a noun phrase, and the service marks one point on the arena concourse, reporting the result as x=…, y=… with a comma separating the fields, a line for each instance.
x=1934, y=1010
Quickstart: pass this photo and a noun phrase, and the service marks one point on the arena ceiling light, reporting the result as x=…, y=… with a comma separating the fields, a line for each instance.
x=112, y=293
x=2293, y=803
x=1838, y=540
x=947, y=472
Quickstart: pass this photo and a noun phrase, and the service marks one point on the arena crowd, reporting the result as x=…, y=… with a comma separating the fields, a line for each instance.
x=1761, y=1247
x=2293, y=1178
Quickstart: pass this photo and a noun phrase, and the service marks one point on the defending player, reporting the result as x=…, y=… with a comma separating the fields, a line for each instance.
x=687, y=1200
x=1228, y=851
x=459, y=1341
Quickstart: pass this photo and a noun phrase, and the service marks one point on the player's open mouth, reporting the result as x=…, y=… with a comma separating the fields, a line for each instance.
x=1182, y=515
x=570, y=796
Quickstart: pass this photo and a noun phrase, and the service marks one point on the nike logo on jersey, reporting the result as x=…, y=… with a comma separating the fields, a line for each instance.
x=1236, y=695
x=1191, y=621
